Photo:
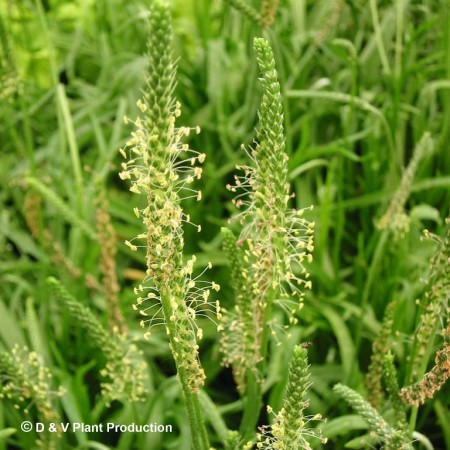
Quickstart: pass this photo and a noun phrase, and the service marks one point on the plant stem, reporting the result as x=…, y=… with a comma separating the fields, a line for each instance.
x=252, y=406
x=379, y=37
x=373, y=270
x=254, y=377
x=192, y=403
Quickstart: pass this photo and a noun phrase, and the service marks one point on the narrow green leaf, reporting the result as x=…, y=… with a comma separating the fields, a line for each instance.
x=343, y=336
x=10, y=330
x=35, y=332
x=342, y=425
x=213, y=416
x=6, y=432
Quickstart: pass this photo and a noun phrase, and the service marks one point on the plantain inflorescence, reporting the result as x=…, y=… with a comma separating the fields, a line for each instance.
x=26, y=381
x=163, y=168
x=275, y=240
x=125, y=371
x=289, y=430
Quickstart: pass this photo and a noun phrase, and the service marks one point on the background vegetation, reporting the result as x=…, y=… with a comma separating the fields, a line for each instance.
x=362, y=82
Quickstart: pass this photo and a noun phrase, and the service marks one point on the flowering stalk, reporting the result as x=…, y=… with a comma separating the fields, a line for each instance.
x=275, y=240
x=370, y=414
x=63, y=209
x=390, y=377
x=380, y=428
x=278, y=238
x=395, y=219
x=27, y=382
x=107, y=240
x=124, y=372
x=435, y=302
x=380, y=347
x=431, y=382
x=31, y=208
x=238, y=340
x=247, y=10
x=162, y=168
x=268, y=11
x=289, y=429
